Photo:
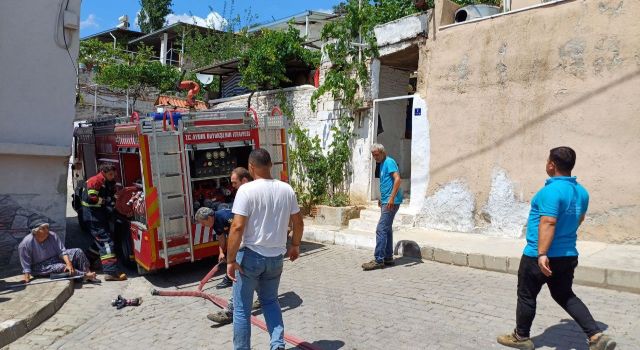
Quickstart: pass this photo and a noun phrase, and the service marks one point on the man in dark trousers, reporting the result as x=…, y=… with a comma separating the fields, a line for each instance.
x=390, y=200
x=550, y=257
x=98, y=193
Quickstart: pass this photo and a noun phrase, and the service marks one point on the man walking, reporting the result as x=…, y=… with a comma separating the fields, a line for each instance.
x=550, y=257
x=257, y=244
x=390, y=200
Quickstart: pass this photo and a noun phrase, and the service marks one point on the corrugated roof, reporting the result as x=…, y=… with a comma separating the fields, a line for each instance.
x=166, y=100
x=298, y=19
x=172, y=30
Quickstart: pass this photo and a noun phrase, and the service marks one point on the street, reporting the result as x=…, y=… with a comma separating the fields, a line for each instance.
x=328, y=301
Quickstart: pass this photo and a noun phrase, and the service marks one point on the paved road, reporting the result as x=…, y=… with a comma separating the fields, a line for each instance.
x=329, y=301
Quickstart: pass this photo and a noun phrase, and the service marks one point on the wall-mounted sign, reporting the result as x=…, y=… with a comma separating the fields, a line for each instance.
x=417, y=112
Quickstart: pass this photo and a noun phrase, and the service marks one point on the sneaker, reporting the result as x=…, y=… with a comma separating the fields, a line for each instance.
x=118, y=276
x=515, y=341
x=221, y=317
x=604, y=342
x=372, y=265
x=225, y=283
x=256, y=305
x=389, y=262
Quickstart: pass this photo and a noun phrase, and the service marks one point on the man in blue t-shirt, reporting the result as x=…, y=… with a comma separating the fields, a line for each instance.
x=390, y=200
x=550, y=257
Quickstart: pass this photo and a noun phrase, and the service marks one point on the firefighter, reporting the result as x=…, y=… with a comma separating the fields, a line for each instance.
x=96, y=199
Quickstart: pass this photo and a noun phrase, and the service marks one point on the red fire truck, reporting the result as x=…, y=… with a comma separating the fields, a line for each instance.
x=170, y=164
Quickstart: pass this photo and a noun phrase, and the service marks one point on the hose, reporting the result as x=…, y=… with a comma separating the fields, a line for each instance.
x=222, y=303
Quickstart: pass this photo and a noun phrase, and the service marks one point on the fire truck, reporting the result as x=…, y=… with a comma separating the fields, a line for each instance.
x=168, y=165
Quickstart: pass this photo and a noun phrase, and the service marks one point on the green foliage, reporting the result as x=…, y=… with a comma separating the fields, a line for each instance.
x=152, y=14
x=264, y=64
x=389, y=10
x=220, y=44
x=348, y=61
x=138, y=73
x=317, y=176
x=351, y=43
x=94, y=53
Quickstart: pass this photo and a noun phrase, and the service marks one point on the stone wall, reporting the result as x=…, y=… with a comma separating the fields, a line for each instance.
x=501, y=92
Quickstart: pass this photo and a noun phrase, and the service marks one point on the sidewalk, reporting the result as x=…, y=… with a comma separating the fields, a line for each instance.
x=22, y=309
x=604, y=265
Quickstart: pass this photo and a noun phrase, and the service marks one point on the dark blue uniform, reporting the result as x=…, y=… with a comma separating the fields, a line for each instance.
x=222, y=222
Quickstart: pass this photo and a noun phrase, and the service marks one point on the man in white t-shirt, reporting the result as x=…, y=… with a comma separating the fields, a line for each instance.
x=257, y=243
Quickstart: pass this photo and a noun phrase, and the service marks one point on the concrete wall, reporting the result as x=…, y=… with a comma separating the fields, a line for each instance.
x=502, y=92
x=38, y=96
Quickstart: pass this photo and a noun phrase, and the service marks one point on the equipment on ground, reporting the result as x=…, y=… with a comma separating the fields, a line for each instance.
x=119, y=302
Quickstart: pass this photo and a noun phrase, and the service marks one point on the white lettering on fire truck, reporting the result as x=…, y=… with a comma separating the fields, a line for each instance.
x=212, y=136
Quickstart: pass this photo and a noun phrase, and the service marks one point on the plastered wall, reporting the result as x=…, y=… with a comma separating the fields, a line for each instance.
x=503, y=91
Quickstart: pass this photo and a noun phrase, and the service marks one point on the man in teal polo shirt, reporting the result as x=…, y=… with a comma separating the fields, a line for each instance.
x=550, y=257
x=390, y=199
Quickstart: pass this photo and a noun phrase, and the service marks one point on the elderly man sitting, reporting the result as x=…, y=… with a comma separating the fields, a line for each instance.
x=42, y=253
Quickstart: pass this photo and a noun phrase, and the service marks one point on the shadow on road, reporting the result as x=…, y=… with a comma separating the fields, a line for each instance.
x=406, y=261
x=288, y=301
x=326, y=344
x=555, y=337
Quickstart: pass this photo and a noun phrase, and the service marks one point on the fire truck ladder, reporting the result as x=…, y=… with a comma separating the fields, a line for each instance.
x=167, y=161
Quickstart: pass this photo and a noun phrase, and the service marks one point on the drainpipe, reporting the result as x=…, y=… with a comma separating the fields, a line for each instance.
x=163, y=48
x=95, y=101
x=306, y=26
x=182, y=49
x=114, y=40
x=359, y=35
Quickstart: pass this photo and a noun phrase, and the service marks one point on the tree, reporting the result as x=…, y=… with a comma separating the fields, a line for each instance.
x=152, y=14
x=94, y=53
x=264, y=64
x=139, y=74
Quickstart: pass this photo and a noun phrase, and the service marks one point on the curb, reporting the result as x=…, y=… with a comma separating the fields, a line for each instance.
x=607, y=278
x=11, y=330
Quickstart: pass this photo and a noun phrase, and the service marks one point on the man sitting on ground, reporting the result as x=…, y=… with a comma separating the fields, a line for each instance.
x=42, y=253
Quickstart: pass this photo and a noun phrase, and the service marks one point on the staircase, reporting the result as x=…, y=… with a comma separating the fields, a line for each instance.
x=369, y=219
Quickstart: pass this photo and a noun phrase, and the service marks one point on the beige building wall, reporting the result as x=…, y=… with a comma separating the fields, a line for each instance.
x=39, y=44
x=502, y=92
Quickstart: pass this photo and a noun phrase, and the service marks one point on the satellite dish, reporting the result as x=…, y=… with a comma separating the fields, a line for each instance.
x=205, y=79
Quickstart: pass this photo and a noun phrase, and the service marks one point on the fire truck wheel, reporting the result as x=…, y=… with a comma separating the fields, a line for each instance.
x=125, y=253
x=124, y=245
x=83, y=224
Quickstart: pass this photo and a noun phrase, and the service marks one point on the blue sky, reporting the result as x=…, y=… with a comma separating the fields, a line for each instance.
x=99, y=15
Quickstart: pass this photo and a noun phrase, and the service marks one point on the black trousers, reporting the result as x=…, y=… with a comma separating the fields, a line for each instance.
x=530, y=282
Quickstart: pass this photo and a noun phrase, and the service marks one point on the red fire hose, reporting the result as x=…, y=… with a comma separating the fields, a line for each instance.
x=193, y=88
x=291, y=339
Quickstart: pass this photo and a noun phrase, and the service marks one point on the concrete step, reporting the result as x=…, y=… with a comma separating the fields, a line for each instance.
x=364, y=225
x=374, y=215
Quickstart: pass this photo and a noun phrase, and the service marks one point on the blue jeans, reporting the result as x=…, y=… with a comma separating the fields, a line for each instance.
x=261, y=273
x=384, y=234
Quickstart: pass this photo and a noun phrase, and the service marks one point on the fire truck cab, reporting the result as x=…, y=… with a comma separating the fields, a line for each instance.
x=169, y=165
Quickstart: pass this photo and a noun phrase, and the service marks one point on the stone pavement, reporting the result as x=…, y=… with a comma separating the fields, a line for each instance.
x=328, y=300
x=25, y=307
x=604, y=265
